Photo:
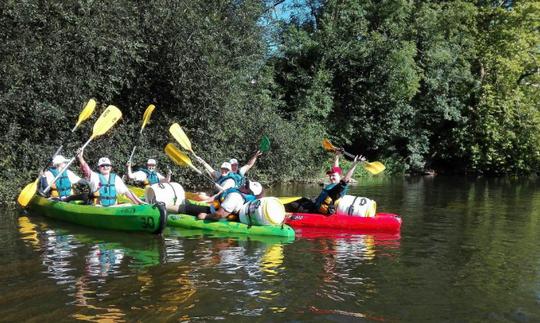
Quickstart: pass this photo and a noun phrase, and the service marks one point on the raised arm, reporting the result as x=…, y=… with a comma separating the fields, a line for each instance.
x=207, y=167
x=350, y=172
x=85, y=169
x=250, y=163
x=336, y=158
x=129, y=171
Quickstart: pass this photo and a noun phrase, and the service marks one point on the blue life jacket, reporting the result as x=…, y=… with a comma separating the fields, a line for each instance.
x=323, y=201
x=151, y=176
x=234, y=176
x=63, y=184
x=107, y=190
x=242, y=177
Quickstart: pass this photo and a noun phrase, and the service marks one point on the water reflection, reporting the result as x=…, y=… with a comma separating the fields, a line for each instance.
x=342, y=261
x=96, y=268
x=81, y=261
x=28, y=232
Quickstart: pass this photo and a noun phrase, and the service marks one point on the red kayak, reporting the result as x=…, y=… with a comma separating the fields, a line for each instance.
x=381, y=222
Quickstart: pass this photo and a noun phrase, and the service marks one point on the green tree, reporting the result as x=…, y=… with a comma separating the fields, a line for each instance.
x=504, y=127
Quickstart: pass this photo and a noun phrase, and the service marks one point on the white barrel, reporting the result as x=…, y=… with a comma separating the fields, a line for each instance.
x=172, y=194
x=356, y=206
x=264, y=211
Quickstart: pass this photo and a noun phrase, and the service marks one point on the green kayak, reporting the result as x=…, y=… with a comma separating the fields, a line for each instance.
x=145, y=218
x=191, y=222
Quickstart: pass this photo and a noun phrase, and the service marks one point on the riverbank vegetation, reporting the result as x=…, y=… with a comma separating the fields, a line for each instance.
x=451, y=86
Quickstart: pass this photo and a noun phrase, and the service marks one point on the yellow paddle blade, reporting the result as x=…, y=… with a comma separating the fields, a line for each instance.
x=27, y=193
x=179, y=157
x=374, y=167
x=288, y=199
x=106, y=120
x=86, y=112
x=180, y=136
x=327, y=145
x=146, y=115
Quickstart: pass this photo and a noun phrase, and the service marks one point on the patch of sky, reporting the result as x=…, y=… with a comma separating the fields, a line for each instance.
x=282, y=13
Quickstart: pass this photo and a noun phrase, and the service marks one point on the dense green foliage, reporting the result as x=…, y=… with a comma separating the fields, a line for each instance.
x=449, y=85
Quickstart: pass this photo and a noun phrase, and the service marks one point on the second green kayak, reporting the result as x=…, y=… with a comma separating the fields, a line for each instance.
x=191, y=222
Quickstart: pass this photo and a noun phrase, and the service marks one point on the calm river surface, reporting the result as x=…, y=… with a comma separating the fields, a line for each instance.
x=469, y=251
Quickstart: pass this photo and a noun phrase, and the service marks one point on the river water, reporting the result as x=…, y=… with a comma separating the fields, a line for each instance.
x=469, y=251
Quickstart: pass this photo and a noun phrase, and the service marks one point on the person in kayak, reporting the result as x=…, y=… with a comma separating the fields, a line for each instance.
x=149, y=175
x=331, y=193
x=226, y=204
x=224, y=177
x=62, y=187
x=244, y=169
x=105, y=185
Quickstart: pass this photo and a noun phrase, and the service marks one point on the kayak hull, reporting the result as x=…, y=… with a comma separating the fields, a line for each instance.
x=143, y=218
x=381, y=222
x=191, y=222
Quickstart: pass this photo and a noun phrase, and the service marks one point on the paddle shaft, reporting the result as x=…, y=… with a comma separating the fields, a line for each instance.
x=65, y=167
x=204, y=175
x=364, y=162
x=146, y=117
x=348, y=154
x=132, y=153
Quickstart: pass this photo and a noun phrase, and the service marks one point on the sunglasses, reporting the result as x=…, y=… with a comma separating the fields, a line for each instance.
x=104, y=165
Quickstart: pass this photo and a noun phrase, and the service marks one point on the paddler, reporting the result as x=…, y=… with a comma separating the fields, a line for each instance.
x=331, y=193
x=226, y=204
x=244, y=169
x=224, y=177
x=149, y=175
x=62, y=188
x=105, y=185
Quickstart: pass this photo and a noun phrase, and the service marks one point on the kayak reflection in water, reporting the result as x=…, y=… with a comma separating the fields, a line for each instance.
x=331, y=193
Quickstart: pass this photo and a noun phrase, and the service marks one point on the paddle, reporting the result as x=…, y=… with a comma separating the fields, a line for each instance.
x=264, y=145
x=288, y=199
x=105, y=122
x=180, y=136
x=146, y=118
x=182, y=159
x=83, y=116
x=373, y=167
x=30, y=189
x=179, y=157
x=27, y=193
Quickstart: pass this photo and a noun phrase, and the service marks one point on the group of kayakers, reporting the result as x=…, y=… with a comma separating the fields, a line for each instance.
x=234, y=188
x=104, y=185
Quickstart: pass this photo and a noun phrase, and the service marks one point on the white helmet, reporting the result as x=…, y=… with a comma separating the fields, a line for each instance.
x=255, y=187
x=226, y=165
x=104, y=161
x=59, y=159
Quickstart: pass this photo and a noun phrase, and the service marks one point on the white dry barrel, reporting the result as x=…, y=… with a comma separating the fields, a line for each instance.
x=171, y=194
x=356, y=206
x=264, y=211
